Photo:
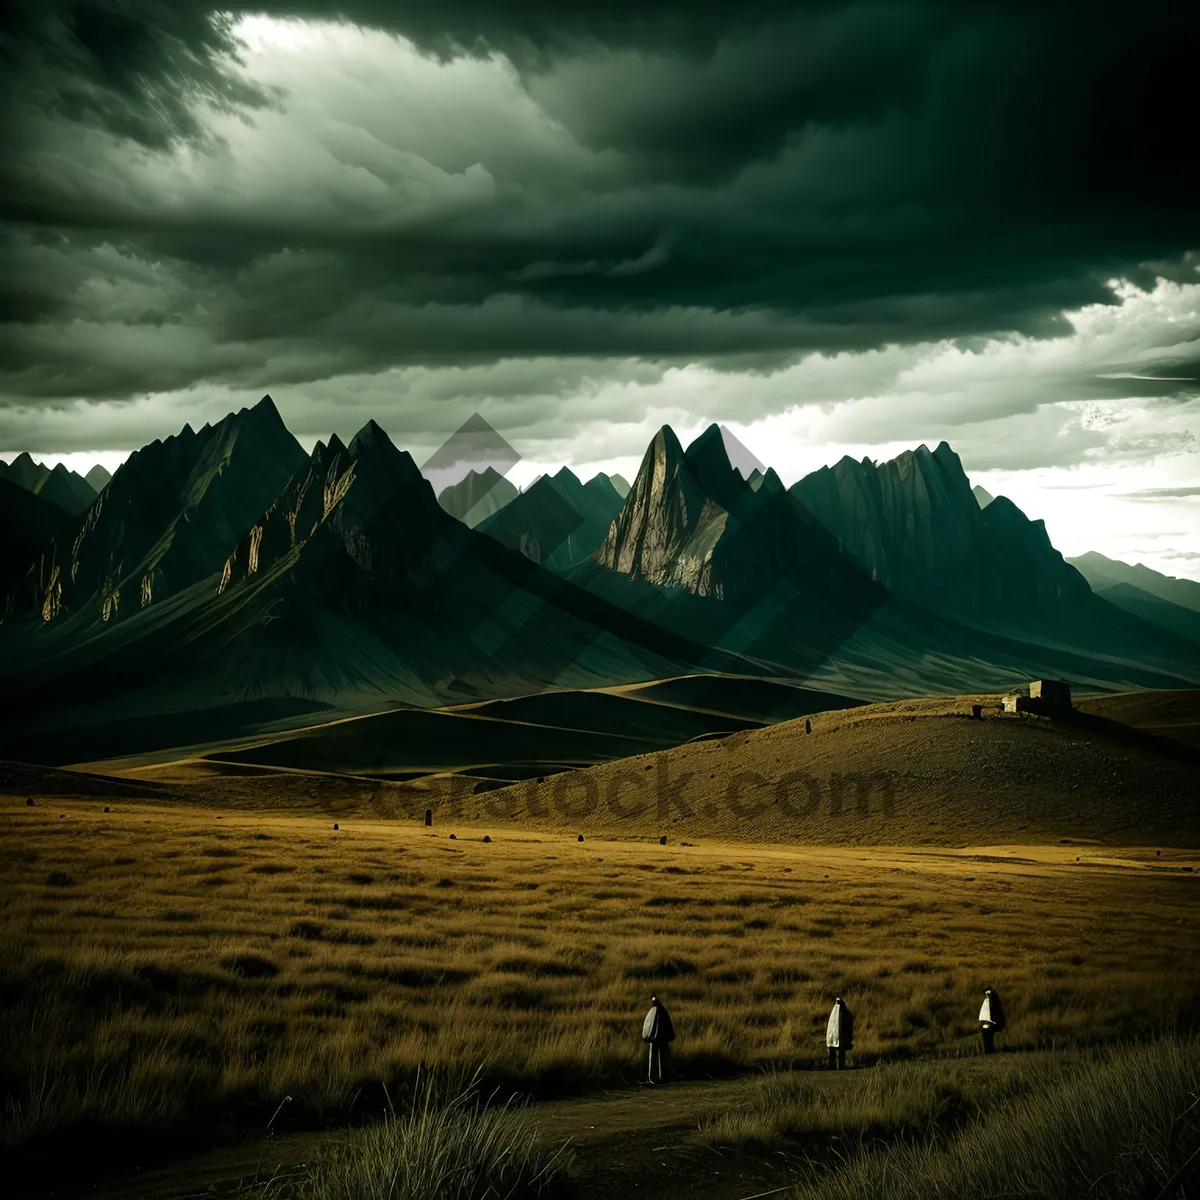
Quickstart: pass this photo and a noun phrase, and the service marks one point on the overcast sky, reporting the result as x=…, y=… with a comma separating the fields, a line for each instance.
x=833, y=227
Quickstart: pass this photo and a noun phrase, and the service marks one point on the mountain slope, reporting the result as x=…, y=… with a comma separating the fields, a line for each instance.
x=697, y=548
x=1102, y=572
x=917, y=526
x=98, y=477
x=619, y=482
x=67, y=489
x=1156, y=610
x=477, y=496
x=918, y=771
x=71, y=492
x=25, y=472
x=557, y=521
x=33, y=527
x=353, y=590
x=171, y=514
x=756, y=573
x=692, y=522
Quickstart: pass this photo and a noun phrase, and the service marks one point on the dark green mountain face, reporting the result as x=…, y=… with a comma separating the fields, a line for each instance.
x=66, y=489
x=247, y=576
x=699, y=548
x=477, y=496
x=915, y=524
x=98, y=478
x=692, y=522
x=353, y=527
x=1103, y=573
x=353, y=590
x=558, y=521
x=34, y=529
x=170, y=515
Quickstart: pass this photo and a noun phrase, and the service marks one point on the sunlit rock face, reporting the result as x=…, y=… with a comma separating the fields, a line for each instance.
x=691, y=521
x=355, y=527
x=667, y=529
x=171, y=515
x=916, y=525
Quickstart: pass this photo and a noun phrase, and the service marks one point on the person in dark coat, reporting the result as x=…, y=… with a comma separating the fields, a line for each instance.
x=991, y=1020
x=839, y=1034
x=659, y=1033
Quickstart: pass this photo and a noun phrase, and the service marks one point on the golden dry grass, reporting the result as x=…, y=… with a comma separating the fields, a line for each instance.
x=1121, y=1124
x=164, y=965
x=912, y=771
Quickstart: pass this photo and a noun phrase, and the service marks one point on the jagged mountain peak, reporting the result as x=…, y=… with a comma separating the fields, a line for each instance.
x=268, y=408
x=708, y=459
x=389, y=467
x=695, y=523
x=665, y=443
x=371, y=435
x=170, y=515
x=557, y=521
x=99, y=477
x=770, y=483
x=709, y=441
x=916, y=524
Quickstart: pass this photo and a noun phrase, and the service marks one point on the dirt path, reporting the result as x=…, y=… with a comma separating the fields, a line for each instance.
x=624, y=1143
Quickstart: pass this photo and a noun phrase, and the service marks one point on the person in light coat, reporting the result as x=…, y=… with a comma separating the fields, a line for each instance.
x=839, y=1034
x=991, y=1019
x=659, y=1033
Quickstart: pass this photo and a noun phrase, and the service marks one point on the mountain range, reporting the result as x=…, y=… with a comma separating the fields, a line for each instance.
x=477, y=496
x=224, y=582
x=557, y=521
x=67, y=489
x=1161, y=599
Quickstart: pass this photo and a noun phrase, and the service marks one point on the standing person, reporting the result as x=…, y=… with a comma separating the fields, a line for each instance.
x=658, y=1031
x=839, y=1034
x=991, y=1019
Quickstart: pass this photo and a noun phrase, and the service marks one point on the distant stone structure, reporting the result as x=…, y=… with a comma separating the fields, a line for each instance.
x=1047, y=697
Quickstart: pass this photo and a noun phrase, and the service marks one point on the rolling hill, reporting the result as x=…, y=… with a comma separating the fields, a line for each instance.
x=536, y=735
x=912, y=772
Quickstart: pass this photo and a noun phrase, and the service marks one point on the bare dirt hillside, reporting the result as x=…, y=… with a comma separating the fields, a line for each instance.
x=914, y=771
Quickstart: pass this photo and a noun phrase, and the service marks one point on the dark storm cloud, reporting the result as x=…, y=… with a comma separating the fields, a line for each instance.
x=737, y=183
x=133, y=68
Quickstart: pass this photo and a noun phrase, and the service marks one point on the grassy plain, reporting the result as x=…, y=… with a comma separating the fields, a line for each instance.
x=181, y=970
